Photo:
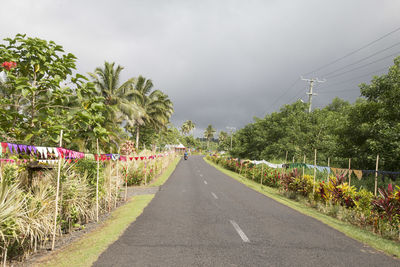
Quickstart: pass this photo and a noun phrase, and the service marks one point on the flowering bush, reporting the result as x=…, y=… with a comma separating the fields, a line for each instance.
x=9, y=65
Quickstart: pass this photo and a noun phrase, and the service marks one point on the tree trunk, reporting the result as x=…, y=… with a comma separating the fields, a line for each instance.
x=137, y=138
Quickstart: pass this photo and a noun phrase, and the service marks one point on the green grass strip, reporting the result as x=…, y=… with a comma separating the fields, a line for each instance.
x=388, y=246
x=166, y=174
x=86, y=250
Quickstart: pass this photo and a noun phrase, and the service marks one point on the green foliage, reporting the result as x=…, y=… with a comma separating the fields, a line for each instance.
x=339, y=131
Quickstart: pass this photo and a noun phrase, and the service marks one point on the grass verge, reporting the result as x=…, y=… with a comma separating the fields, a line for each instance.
x=166, y=174
x=86, y=250
x=388, y=246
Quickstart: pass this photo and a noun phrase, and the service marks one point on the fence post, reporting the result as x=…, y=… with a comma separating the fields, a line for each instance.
x=126, y=177
x=327, y=177
x=262, y=173
x=116, y=181
x=97, y=181
x=349, y=172
x=315, y=169
x=376, y=175
x=57, y=192
x=304, y=161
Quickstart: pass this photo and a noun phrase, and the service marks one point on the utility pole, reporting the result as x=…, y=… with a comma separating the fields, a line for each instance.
x=310, y=92
x=231, y=130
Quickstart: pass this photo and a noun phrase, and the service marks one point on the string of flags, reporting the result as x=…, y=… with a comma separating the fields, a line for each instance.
x=50, y=155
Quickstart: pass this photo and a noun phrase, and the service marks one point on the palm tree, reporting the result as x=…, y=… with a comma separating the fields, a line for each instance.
x=222, y=136
x=190, y=125
x=118, y=97
x=184, y=128
x=209, y=134
x=156, y=107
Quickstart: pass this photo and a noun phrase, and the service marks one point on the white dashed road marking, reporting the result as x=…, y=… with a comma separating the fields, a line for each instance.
x=240, y=232
x=205, y=182
x=214, y=195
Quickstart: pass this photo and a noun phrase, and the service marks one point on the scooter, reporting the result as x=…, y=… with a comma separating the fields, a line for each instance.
x=185, y=157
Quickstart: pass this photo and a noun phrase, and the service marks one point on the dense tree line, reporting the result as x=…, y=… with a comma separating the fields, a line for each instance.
x=341, y=130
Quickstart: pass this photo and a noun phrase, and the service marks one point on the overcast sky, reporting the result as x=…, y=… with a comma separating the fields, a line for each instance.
x=221, y=62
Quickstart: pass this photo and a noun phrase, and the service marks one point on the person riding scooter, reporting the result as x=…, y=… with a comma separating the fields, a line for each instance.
x=185, y=156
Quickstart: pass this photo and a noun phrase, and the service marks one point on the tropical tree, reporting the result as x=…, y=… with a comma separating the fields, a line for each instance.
x=184, y=129
x=209, y=134
x=118, y=98
x=189, y=125
x=40, y=96
x=156, y=107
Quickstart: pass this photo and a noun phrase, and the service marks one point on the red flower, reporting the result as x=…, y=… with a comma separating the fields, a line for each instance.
x=9, y=65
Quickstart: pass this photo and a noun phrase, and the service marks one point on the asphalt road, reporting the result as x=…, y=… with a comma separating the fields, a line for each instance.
x=201, y=217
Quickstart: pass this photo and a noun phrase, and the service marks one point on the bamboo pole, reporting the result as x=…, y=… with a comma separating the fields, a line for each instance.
x=109, y=183
x=116, y=182
x=126, y=178
x=315, y=169
x=286, y=157
x=145, y=172
x=262, y=173
x=57, y=192
x=97, y=181
x=376, y=175
x=349, y=174
x=5, y=256
x=327, y=177
x=304, y=161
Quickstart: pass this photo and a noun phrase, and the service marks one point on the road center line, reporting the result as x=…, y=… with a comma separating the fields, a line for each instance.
x=214, y=195
x=205, y=182
x=201, y=175
x=240, y=232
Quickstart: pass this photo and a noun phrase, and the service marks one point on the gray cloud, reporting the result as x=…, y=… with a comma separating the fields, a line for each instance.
x=221, y=62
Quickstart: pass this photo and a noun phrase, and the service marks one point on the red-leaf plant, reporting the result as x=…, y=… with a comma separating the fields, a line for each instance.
x=387, y=205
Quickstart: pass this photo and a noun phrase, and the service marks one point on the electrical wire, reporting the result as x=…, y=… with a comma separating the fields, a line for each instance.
x=351, y=53
x=355, y=78
x=360, y=60
x=362, y=66
x=338, y=91
x=284, y=93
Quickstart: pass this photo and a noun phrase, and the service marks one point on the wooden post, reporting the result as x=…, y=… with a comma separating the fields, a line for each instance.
x=97, y=181
x=262, y=173
x=293, y=159
x=145, y=172
x=286, y=157
x=304, y=161
x=376, y=175
x=327, y=177
x=57, y=192
x=315, y=169
x=349, y=172
x=109, y=182
x=126, y=178
x=116, y=182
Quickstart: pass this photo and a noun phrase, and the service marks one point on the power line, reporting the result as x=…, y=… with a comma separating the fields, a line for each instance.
x=338, y=91
x=362, y=66
x=355, y=78
x=284, y=93
x=353, y=52
x=360, y=60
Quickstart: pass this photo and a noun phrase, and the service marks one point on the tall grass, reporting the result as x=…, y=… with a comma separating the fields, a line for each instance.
x=27, y=203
